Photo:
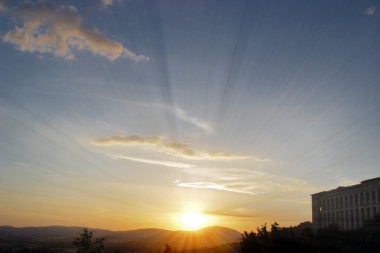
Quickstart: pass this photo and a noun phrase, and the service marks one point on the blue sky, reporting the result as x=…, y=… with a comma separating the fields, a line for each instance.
x=132, y=111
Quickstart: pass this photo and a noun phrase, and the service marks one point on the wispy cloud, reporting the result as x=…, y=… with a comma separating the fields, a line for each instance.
x=262, y=159
x=128, y=140
x=107, y=2
x=181, y=114
x=212, y=185
x=243, y=181
x=154, y=162
x=236, y=212
x=178, y=149
x=370, y=11
x=58, y=30
x=3, y=5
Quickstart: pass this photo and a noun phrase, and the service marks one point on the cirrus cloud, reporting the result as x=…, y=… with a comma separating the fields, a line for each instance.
x=370, y=11
x=3, y=5
x=241, y=180
x=184, y=116
x=154, y=162
x=179, y=149
x=212, y=185
x=59, y=30
x=107, y=2
x=127, y=140
x=236, y=212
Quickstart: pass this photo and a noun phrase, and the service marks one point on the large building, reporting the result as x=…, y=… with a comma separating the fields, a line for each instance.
x=347, y=206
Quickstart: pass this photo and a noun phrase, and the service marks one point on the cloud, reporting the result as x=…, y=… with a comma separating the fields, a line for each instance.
x=181, y=114
x=128, y=140
x=155, y=162
x=370, y=11
x=59, y=30
x=178, y=149
x=263, y=160
x=184, y=116
x=237, y=212
x=211, y=185
x=243, y=181
x=107, y=2
x=3, y=5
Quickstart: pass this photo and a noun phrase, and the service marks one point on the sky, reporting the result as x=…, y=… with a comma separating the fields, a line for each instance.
x=125, y=114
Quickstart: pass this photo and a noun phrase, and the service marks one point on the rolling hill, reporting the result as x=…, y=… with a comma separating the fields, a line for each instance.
x=59, y=238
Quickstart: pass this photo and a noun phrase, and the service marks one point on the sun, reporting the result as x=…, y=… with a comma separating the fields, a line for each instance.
x=193, y=220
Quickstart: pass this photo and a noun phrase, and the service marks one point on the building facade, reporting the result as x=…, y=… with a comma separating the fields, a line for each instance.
x=347, y=206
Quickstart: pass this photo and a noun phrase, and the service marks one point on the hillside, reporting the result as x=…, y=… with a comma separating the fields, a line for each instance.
x=59, y=237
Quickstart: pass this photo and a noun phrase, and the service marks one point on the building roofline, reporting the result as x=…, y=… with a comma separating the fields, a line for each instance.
x=370, y=180
x=339, y=189
x=343, y=188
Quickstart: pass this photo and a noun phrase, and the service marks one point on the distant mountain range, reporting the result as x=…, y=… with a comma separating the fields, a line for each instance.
x=59, y=238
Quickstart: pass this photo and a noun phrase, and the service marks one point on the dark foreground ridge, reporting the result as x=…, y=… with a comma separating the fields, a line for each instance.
x=60, y=239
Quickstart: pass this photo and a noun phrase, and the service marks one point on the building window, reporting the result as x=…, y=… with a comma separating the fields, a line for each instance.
x=333, y=217
x=351, y=201
x=352, y=218
x=362, y=215
x=357, y=216
x=347, y=216
x=332, y=204
x=361, y=198
x=328, y=204
x=368, y=213
x=337, y=217
x=336, y=203
x=373, y=211
x=367, y=197
x=341, y=202
x=345, y=202
x=356, y=200
x=373, y=196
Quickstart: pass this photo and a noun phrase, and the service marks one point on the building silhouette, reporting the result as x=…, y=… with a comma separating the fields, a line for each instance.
x=348, y=207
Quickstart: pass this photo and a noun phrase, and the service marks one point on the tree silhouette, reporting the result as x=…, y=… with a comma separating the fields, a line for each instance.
x=85, y=244
x=262, y=232
x=249, y=242
x=274, y=227
x=167, y=249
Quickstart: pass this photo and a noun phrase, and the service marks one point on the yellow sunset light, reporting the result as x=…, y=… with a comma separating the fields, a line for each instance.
x=193, y=220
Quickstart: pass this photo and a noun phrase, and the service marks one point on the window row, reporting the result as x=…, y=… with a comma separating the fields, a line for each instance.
x=349, y=216
x=351, y=200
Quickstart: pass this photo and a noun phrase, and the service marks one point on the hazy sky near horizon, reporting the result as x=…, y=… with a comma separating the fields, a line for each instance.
x=123, y=114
